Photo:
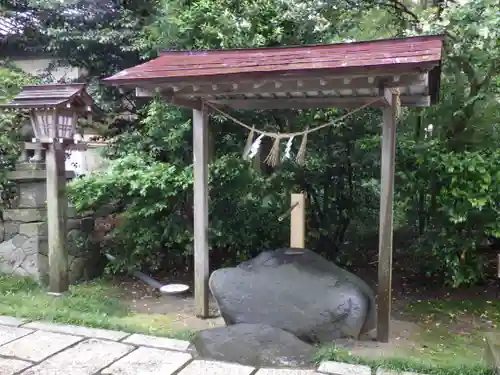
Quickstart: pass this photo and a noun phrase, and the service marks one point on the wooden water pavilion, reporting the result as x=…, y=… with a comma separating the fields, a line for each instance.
x=402, y=72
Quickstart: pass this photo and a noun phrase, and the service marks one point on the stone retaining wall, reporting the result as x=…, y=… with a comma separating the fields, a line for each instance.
x=24, y=237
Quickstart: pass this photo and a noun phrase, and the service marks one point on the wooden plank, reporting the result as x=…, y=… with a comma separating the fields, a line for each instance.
x=195, y=104
x=319, y=102
x=144, y=93
x=300, y=103
x=386, y=213
x=201, y=249
x=186, y=103
x=41, y=144
x=298, y=221
x=56, y=219
x=498, y=265
x=386, y=93
x=33, y=146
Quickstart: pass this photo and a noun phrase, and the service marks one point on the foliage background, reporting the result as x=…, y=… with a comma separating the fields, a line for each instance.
x=447, y=180
x=11, y=132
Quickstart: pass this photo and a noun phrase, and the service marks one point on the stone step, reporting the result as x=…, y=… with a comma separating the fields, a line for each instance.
x=40, y=348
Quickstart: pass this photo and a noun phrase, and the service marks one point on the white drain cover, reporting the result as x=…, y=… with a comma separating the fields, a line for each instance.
x=174, y=288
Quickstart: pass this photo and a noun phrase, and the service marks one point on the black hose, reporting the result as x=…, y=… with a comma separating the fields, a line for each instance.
x=141, y=276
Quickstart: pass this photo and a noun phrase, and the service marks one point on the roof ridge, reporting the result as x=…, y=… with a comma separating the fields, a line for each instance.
x=285, y=47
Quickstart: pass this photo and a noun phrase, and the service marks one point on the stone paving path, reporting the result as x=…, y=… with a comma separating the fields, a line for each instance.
x=39, y=348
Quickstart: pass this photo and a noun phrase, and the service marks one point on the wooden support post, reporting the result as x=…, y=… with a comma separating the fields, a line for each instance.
x=57, y=206
x=386, y=211
x=298, y=221
x=201, y=258
x=498, y=265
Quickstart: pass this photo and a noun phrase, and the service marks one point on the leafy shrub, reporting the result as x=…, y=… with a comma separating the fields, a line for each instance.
x=149, y=182
x=462, y=195
x=156, y=224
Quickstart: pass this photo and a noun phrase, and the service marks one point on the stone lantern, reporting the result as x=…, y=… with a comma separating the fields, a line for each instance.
x=54, y=111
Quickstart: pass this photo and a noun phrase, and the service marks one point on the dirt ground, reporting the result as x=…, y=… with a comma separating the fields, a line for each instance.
x=429, y=321
x=142, y=299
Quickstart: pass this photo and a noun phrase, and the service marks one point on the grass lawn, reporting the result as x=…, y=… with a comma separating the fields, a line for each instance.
x=411, y=364
x=451, y=341
x=96, y=304
x=476, y=312
x=455, y=329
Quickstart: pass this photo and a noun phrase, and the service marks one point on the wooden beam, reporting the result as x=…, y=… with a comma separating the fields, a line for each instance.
x=168, y=96
x=498, y=265
x=407, y=99
x=68, y=145
x=141, y=92
x=194, y=104
x=387, y=94
x=415, y=101
x=318, y=102
x=386, y=213
x=316, y=84
x=299, y=103
x=201, y=252
x=298, y=221
x=256, y=78
x=56, y=218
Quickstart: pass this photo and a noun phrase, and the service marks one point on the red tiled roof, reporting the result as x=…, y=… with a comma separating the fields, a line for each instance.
x=383, y=54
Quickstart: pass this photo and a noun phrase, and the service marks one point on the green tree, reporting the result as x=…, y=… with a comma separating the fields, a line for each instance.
x=333, y=176
x=149, y=181
x=471, y=71
x=11, y=82
x=449, y=178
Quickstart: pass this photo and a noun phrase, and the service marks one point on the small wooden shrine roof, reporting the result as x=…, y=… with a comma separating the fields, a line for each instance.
x=311, y=76
x=51, y=95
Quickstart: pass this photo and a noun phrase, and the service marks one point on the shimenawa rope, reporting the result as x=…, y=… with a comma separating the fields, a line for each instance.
x=252, y=147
